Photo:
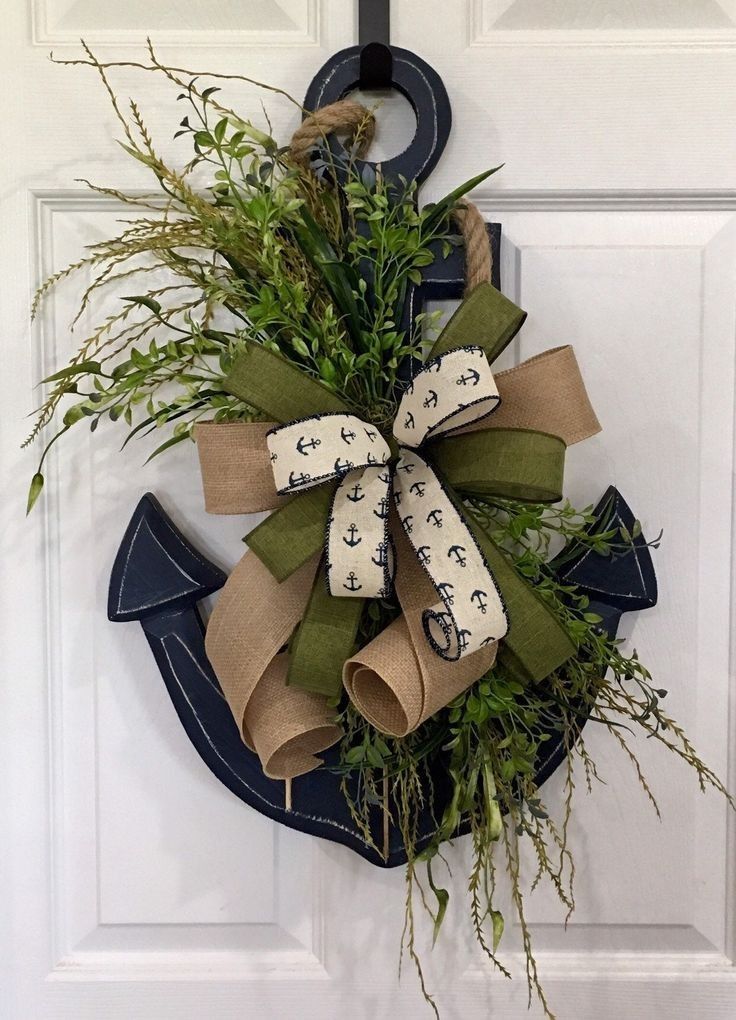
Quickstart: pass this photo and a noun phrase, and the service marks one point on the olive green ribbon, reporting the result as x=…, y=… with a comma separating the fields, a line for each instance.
x=523, y=464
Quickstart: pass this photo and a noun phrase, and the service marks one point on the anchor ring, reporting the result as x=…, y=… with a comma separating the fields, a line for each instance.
x=418, y=82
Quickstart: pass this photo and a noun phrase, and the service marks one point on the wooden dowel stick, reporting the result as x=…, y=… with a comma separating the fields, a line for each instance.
x=386, y=817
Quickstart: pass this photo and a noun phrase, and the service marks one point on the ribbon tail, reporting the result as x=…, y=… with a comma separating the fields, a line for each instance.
x=512, y=463
x=359, y=555
x=235, y=467
x=488, y=317
x=293, y=534
x=470, y=613
x=278, y=388
x=546, y=393
x=537, y=644
x=325, y=639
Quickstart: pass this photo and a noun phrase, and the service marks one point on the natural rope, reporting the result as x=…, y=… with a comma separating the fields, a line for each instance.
x=360, y=123
x=344, y=115
x=478, y=255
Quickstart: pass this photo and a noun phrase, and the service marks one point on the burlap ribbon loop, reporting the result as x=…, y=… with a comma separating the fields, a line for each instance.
x=396, y=681
x=253, y=619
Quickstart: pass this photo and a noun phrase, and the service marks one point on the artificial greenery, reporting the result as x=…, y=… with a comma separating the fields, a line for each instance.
x=243, y=243
x=263, y=242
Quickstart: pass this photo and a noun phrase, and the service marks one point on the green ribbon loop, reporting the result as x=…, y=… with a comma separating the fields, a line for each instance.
x=277, y=388
x=512, y=463
x=485, y=318
x=536, y=643
x=325, y=639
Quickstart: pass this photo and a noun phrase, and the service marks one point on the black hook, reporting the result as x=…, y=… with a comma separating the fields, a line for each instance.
x=374, y=33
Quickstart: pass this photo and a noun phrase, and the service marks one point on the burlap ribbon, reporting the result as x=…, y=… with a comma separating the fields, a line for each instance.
x=236, y=471
x=272, y=597
x=254, y=618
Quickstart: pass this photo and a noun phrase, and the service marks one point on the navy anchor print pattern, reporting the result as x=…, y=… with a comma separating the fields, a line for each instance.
x=446, y=394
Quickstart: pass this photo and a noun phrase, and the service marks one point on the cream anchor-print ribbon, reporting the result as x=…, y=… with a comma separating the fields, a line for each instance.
x=448, y=393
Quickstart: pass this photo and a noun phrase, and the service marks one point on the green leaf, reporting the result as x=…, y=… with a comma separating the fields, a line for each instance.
x=74, y=414
x=497, y=921
x=445, y=206
x=374, y=756
x=443, y=898
x=143, y=299
x=137, y=154
x=167, y=446
x=300, y=347
x=327, y=370
x=34, y=491
x=340, y=278
x=90, y=367
x=138, y=359
x=492, y=809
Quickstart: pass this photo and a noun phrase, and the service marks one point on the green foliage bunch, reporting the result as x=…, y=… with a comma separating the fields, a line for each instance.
x=243, y=243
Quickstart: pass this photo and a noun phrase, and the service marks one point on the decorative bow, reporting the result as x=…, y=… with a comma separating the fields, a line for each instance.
x=450, y=392
x=277, y=597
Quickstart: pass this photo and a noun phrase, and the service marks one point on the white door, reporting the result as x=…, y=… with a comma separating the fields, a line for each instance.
x=133, y=884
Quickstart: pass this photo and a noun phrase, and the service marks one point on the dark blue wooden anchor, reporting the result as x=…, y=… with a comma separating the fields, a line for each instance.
x=159, y=577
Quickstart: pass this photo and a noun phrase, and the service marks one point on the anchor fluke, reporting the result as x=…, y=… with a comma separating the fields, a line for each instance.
x=617, y=584
x=156, y=568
